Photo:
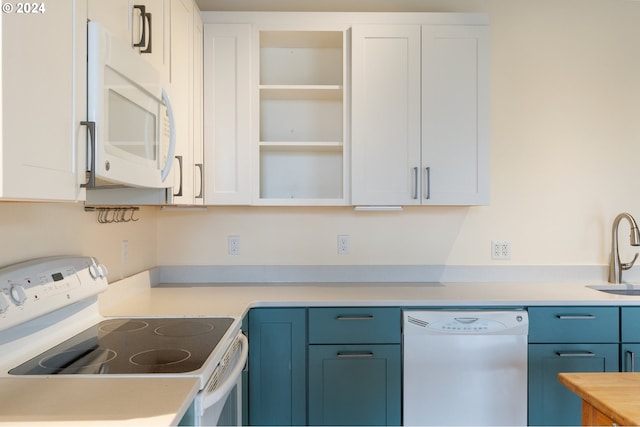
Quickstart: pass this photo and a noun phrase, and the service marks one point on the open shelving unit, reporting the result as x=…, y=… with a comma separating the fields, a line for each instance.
x=301, y=141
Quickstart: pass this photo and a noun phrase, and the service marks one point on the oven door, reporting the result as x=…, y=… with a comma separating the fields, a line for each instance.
x=129, y=115
x=220, y=403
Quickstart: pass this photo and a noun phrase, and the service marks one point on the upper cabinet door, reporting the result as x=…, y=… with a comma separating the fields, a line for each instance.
x=142, y=23
x=420, y=115
x=227, y=112
x=455, y=116
x=43, y=144
x=385, y=115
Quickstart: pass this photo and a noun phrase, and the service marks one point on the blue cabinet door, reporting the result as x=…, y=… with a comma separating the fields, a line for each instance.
x=551, y=403
x=277, y=366
x=354, y=384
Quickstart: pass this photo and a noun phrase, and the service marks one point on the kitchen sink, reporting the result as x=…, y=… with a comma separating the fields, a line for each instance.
x=622, y=289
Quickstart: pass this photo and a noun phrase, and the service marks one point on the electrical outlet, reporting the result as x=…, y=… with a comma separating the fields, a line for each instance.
x=500, y=249
x=344, y=244
x=234, y=245
x=125, y=251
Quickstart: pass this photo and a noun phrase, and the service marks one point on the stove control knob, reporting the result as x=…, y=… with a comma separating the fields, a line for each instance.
x=94, y=271
x=4, y=305
x=103, y=271
x=17, y=294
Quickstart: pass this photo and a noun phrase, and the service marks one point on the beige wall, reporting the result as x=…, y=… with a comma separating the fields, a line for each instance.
x=32, y=230
x=565, y=125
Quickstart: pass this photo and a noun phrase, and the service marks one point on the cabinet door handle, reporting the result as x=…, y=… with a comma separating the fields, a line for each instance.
x=631, y=356
x=91, y=159
x=427, y=184
x=179, y=192
x=147, y=17
x=355, y=355
x=356, y=317
x=143, y=16
x=575, y=316
x=200, y=167
x=575, y=354
x=415, y=183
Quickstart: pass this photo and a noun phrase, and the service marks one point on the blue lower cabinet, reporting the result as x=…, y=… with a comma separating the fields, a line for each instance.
x=550, y=402
x=354, y=384
x=277, y=366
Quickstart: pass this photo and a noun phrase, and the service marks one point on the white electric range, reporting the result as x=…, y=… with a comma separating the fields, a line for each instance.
x=50, y=324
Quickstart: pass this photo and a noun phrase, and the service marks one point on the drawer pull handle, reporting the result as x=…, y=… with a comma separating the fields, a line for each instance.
x=576, y=316
x=347, y=317
x=575, y=354
x=631, y=356
x=367, y=354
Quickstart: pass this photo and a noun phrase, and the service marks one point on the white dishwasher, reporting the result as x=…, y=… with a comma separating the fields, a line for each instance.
x=465, y=367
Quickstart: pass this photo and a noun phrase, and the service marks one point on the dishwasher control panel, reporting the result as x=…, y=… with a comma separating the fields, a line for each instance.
x=470, y=323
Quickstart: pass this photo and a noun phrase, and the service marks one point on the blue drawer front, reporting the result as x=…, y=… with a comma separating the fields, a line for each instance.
x=574, y=324
x=354, y=325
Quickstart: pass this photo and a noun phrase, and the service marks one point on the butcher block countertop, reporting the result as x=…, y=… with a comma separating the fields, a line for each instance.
x=607, y=398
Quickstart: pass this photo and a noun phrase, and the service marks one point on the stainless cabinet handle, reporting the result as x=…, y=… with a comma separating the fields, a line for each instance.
x=427, y=185
x=355, y=355
x=200, y=167
x=356, y=317
x=143, y=17
x=91, y=160
x=179, y=193
x=576, y=316
x=631, y=356
x=415, y=183
x=147, y=18
x=575, y=354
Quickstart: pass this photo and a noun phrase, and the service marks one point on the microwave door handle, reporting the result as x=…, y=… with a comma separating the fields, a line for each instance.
x=172, y=137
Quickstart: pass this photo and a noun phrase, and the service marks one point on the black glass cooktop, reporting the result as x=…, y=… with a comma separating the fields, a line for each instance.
x=132, y=346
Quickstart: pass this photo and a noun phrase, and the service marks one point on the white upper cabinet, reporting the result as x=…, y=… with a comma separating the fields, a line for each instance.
x=227, y=114
x=455, y=115
x=186, y=98
x=198, y=106
x=300, y=117
x=346, y=108
x=420, y=115
x=43, y=144
x=143, y=23
x=385, y=115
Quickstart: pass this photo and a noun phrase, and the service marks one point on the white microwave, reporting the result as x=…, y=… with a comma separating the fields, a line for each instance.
x=130, y=121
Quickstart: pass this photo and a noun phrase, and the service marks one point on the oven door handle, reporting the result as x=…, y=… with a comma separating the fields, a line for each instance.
x=221, y=392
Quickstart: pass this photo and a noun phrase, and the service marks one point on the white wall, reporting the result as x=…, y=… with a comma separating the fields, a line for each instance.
x=565, y=113
x=32, y=230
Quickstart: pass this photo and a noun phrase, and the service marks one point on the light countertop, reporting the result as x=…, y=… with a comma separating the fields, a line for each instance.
x=96, y=401
x=134, y=295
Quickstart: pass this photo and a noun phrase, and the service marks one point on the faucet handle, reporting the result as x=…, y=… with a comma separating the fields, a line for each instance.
x=628, y=265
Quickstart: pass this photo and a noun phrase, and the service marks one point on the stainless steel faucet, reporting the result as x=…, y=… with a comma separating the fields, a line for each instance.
x=615, y=266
